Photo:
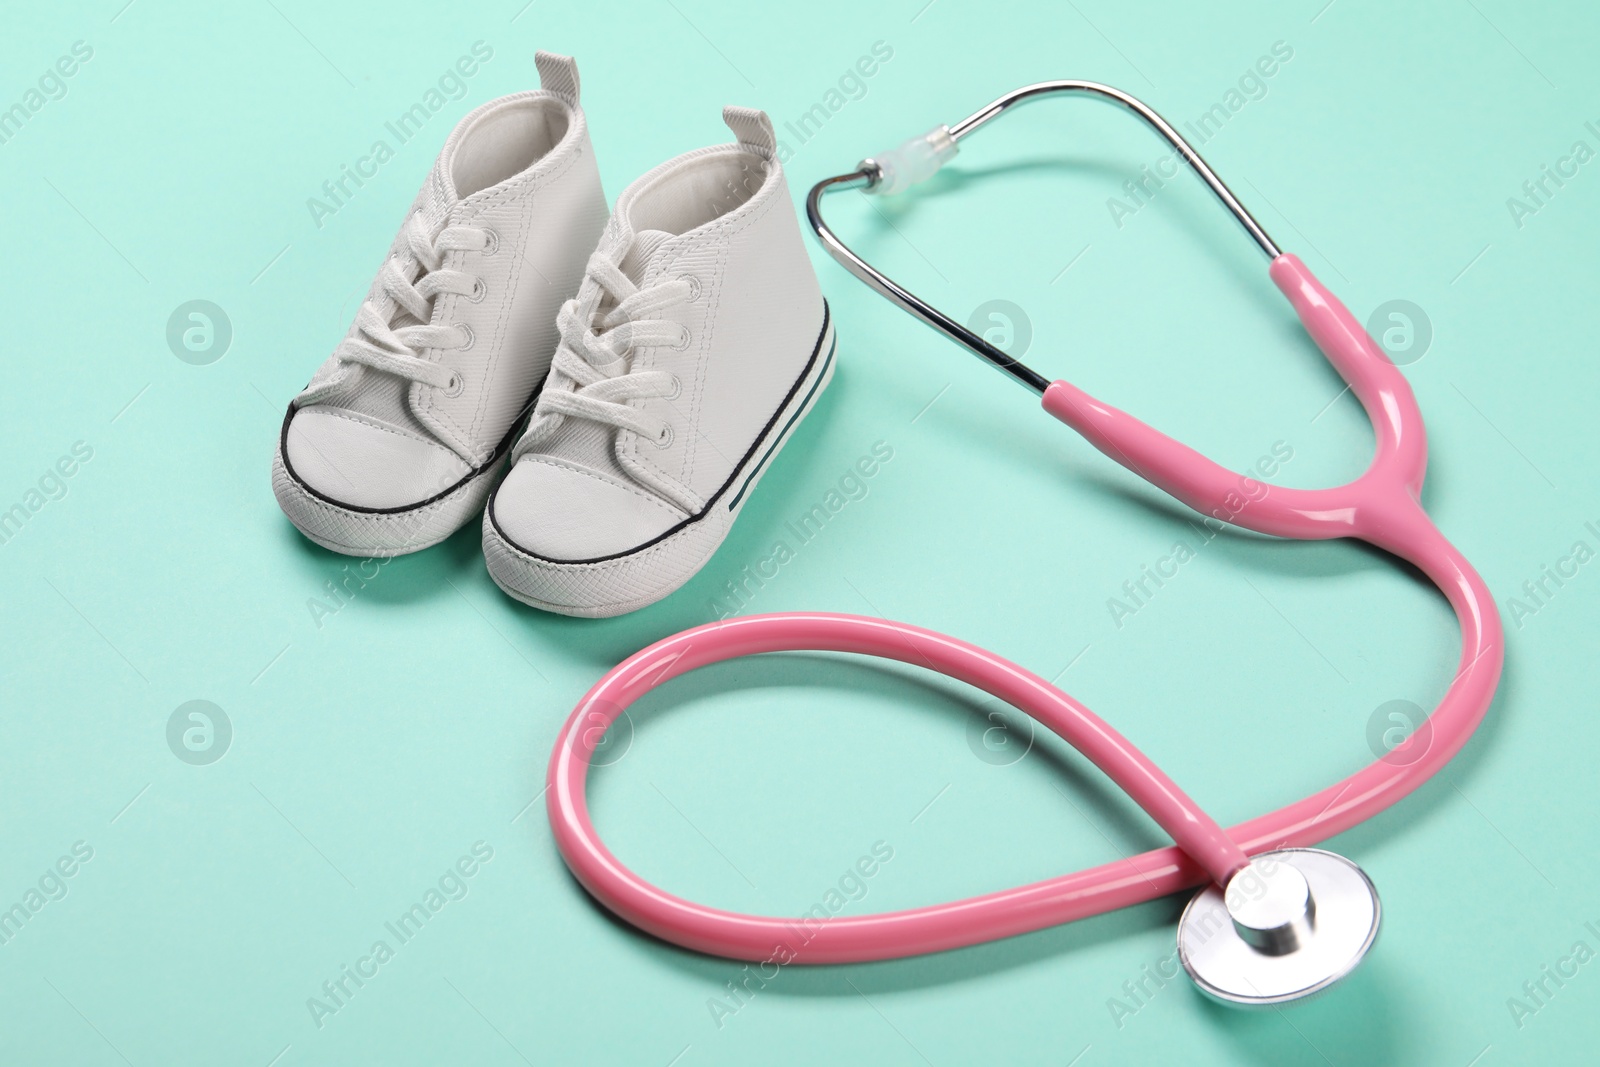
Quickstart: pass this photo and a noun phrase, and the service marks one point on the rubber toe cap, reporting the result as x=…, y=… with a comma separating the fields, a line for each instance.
x=360, y=464
x=568, y=513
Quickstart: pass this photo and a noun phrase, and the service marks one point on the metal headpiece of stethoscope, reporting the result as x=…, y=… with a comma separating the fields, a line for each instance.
x=1276, y=921
x=1294, y=921
x=921, y=157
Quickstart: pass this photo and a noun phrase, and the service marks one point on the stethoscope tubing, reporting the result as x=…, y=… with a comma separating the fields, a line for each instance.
x=706, y=929
x=1382, y=507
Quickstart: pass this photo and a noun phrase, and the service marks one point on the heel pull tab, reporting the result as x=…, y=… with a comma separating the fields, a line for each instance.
x=558, y=74
x=753, y=129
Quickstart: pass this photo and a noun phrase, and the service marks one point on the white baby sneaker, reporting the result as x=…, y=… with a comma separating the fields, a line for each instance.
x=697, y=342
x=396, y=441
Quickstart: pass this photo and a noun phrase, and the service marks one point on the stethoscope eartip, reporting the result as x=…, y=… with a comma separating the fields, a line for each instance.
x=1286, y=927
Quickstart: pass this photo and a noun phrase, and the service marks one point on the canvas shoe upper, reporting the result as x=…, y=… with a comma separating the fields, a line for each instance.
x=395, y=442
x=697, y=341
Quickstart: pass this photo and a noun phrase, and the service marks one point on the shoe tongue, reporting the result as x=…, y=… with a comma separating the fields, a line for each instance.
x=645, y=245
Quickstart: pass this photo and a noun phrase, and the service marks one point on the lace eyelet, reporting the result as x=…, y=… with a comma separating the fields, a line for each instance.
x=664, y=438
x=684, y=342
x=455, y=385
x=471, y=338
x=480, y=289
x=694, y=287
x=491, y=242
x=677, y=389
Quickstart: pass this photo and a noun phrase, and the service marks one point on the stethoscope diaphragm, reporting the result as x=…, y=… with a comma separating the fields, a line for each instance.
x=1288, y=926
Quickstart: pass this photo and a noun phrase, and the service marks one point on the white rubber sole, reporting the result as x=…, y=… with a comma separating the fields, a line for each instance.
x=615, y=585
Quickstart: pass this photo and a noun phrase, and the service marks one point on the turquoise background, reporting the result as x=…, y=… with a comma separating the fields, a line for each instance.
x=370, y=752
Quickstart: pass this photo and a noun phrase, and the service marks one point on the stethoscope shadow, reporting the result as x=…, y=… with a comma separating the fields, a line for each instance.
x=1366, y=1012
x=1374, y=998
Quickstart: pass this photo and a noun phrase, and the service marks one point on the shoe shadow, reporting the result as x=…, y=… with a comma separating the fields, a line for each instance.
x=792, y=474
x=415, y=578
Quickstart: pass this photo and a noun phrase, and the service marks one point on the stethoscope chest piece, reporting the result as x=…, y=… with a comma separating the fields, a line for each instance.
x=1288, y=926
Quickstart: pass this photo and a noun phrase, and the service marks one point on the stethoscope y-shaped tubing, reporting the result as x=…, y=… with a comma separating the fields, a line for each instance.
x=1382, y=507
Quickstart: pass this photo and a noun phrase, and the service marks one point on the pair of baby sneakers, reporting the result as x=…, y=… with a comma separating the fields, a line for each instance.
x=639, y=374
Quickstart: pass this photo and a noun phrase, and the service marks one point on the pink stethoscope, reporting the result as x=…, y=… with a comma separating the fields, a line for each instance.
x=1277, y=920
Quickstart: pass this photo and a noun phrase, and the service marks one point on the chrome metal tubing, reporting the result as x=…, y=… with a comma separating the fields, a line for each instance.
x=1029, y=93
x=906, y=299
x=866, y=175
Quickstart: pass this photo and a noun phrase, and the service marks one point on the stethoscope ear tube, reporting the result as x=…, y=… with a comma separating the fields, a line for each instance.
x=920, y=158
x=1290, y=931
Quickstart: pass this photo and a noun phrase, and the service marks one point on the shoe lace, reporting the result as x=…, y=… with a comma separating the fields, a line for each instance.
x=590, y=376
x=412, y=278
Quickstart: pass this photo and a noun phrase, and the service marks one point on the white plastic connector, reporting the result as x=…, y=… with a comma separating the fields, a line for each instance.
x=917, y=160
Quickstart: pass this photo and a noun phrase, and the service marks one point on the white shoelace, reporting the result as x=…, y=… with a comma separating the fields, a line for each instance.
x=589, y=377
x=381, y=346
